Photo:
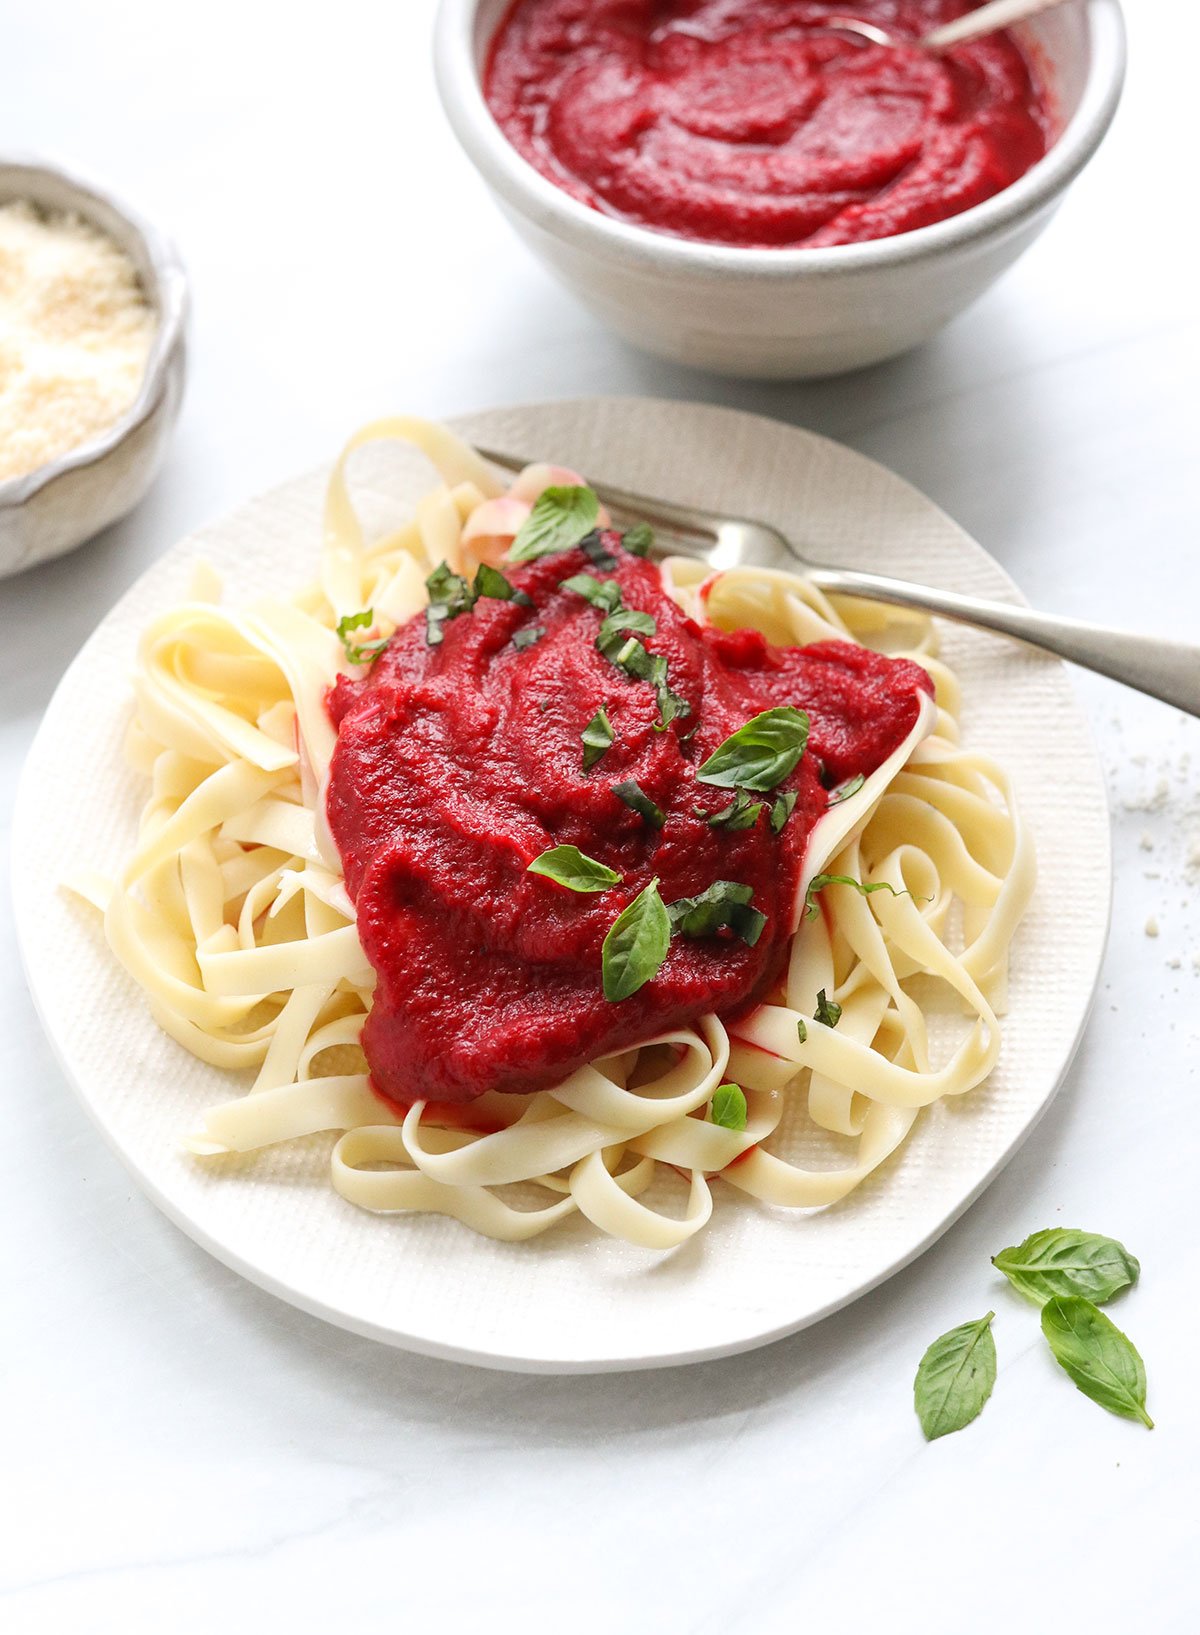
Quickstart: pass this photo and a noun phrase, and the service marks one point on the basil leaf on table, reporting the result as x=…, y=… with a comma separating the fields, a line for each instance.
x=955, y=1378
x=561, y=517
x=597, y=739
x=568, y=866
x=729, y=1107
x=636, y=945
x=1063, y=1260
x=1103, y=1362
x=760, y=754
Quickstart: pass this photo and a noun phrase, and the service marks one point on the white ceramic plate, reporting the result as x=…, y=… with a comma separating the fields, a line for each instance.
x=570, y=1301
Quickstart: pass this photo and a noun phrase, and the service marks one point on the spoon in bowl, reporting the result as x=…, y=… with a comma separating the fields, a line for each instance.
x=983, y=20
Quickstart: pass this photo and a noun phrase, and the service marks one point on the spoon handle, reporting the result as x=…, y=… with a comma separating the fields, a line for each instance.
x=1167, y=670
x=996, y=14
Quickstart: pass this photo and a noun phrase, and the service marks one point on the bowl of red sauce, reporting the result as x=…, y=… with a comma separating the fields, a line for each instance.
x=735, y=185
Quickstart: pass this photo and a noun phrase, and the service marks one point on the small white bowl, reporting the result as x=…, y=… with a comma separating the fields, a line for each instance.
x=51, y=510
x=788, y=313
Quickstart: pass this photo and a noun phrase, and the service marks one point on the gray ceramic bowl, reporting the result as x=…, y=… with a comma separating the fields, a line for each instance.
x=788, y=313
x=53, y=509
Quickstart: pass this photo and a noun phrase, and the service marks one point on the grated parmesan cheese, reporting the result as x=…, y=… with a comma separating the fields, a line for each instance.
x=75, y=334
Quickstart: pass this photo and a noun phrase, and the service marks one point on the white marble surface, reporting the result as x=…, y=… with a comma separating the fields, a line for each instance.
x=183, y=1452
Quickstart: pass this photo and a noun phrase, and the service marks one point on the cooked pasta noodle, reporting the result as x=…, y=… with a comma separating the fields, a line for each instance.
x=232, y=916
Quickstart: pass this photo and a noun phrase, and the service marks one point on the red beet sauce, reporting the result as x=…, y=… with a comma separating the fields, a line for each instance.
x=743, y=122
x=457, y=765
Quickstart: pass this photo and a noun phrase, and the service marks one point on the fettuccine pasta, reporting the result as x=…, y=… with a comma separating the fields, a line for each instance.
x=232, y=916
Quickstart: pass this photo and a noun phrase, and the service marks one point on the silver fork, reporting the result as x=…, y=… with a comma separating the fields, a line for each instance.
x=1169, y=670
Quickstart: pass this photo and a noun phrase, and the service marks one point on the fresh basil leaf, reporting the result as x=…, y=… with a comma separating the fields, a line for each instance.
x=526, y=637
x=1062, y=1260
x=741, y=813
x=627, y=618
x=845, y=790
x=491, y=582
x=359, y=652
x=638, y=539
x=636, y=945
x=568, y=866
x=827, y=1011
x=760, y=754
x=560, y=519
x=726, y=904
x=597, y=739
x=602, y=593
x=781, y=810
x=638, y=801
x=597, y=552
x=729, y=1107
x=820, y=881
x=1103, y=1362
x=955, y=1378
x=802, y=1030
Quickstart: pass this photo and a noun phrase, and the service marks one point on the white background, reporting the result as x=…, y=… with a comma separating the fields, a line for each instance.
x=184, y=1452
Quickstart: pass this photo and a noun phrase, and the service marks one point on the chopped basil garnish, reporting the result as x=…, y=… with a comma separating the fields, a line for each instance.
x=670, y=706
x=820, y=881
x=602, y=593
x=827, y=1011
x=597, y=553
x=628, y=654
x=636, y=945
x=568, y=866
x=845, y=790
x=781, y=810
x=449, y=595
x=741, y=813
x=955, y=1378
x=597, y=738
x=729, y=1107
x=626, y=618
x=1103, y=1362
x=760, y=754
x=638, y=801
x=526, y=638
x=638, y=539
x=561, y=518
x=359, y=652
x=802, y=1030
x=491, y=582
x=725, y=904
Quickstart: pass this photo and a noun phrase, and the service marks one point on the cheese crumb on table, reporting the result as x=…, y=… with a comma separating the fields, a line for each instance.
x=75, y=334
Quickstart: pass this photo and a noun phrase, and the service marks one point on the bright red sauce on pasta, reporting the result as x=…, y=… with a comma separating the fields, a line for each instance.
x=456, y=765
x=744, y=122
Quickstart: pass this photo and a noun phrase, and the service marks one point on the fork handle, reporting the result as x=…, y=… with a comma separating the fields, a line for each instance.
x=1169, y=670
